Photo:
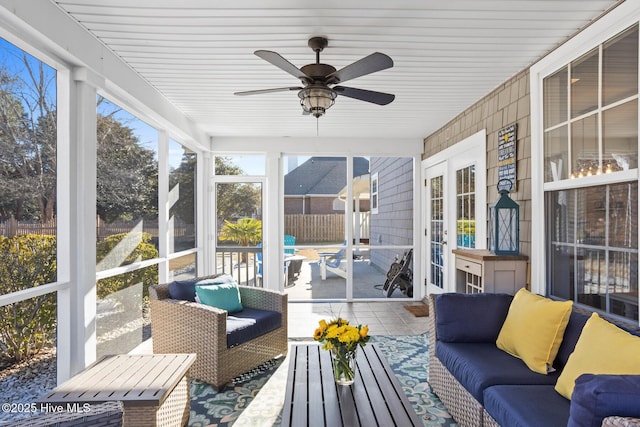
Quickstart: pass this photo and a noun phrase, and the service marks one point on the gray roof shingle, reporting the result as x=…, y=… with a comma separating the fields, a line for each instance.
x=322, y=175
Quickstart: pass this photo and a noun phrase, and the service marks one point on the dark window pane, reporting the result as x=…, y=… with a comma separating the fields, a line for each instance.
x=584, y=84
x=597, y=265
x=555, y=98
x=620, y=137
x=556, y=154
x=620, y=67
x=584, y=147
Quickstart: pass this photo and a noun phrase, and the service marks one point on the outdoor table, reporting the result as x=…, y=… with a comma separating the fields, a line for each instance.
x=313, y=398
x=153, y=388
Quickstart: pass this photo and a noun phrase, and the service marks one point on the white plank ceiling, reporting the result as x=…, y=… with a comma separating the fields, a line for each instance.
x=447, y=55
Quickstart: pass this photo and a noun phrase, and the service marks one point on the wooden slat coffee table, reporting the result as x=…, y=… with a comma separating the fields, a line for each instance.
x=153, y=388
x=314, y=399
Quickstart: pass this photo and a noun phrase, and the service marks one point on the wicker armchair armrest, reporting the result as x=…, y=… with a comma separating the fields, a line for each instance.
x=159, y=292
x=263, y=299
x=187, y=327
x=621, y=422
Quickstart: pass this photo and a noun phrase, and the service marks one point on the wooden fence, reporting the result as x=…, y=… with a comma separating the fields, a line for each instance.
x=13, y=227
x=307, y=228
x=314, y=228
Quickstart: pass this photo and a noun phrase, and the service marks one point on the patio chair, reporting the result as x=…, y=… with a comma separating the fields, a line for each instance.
x=332, y=261
x=189, y=327
x=289, y=240
x=287, y=263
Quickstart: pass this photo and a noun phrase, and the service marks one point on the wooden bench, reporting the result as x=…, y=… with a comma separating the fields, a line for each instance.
x=153, y=388
x=314, y=399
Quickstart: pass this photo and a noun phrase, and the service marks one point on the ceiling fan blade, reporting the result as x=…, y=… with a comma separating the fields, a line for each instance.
x=259, y=91
x=369, y=64
x=379, y=98
x=277, y=60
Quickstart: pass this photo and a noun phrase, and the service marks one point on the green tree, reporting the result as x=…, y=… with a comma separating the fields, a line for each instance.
x=27, y=139
x=127, y=173
x=244, y=232
x=184, y=176
x=234, y=200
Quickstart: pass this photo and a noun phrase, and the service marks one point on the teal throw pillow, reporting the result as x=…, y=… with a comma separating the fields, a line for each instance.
x=225, y=296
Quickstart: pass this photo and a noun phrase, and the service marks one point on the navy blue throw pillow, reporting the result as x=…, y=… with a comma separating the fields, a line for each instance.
x=184, y=290
x=470, y=317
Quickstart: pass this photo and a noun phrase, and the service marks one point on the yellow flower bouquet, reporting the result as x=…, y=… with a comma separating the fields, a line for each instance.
x=342, y=340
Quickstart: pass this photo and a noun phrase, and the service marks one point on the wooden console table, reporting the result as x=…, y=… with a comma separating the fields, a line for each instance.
x=478, y=270
x=313, y=399
x=153, y=388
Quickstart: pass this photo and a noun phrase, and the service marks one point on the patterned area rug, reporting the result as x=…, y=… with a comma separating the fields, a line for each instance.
x=256, y=398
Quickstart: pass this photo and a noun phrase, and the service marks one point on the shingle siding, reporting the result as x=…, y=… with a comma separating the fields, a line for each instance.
x=509, y=103
x=393, y=224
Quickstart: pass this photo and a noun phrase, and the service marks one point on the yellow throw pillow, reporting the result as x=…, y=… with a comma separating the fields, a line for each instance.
x=602, y=348
x=533, y=329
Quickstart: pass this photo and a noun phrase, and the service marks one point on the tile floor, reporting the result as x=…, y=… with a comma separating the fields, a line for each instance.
x=383, y=318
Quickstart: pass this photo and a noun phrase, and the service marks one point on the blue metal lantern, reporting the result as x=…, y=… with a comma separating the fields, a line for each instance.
x=504, y=222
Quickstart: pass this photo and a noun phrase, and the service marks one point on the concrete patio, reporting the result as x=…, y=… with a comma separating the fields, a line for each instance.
x=368, y=281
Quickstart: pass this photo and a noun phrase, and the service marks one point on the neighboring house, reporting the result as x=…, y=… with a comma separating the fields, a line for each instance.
x=391, y=220
x=313, y=187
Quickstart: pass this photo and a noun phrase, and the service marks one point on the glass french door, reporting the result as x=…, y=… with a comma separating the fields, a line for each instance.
x=436, y=227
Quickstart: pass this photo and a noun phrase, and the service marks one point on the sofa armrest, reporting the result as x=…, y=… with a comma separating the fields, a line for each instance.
x=431, y=326
x=596, y=397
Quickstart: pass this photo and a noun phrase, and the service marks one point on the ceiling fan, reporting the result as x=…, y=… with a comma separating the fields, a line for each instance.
x=319, y=81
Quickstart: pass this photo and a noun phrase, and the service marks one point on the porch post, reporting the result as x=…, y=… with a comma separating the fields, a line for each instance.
x=82, y=201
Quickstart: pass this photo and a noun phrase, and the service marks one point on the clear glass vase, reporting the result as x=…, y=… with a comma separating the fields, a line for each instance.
x=344, y=366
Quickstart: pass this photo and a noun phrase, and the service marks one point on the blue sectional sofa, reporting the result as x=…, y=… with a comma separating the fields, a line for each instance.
x=482, y=385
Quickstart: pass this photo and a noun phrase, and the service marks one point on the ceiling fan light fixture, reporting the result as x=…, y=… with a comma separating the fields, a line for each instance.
x=317, y=99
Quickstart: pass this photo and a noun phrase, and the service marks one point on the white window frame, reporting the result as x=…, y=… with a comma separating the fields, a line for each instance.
x=622, y=17
x=374, y=194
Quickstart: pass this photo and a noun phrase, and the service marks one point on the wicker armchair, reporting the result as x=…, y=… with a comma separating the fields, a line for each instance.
x=189, y=327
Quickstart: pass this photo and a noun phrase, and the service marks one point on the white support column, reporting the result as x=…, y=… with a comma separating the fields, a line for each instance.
x=65, y=254
x=419, y=290
x=348, y=228
x=273, y=226
x=82, y=201
x=165, y=230
x=205, y=215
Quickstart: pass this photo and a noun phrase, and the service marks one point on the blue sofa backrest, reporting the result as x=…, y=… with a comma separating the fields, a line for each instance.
x=571, y=335
x=470, y=317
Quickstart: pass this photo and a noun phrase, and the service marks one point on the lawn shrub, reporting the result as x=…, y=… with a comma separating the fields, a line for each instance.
x=125, y=256
x=27, y=326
